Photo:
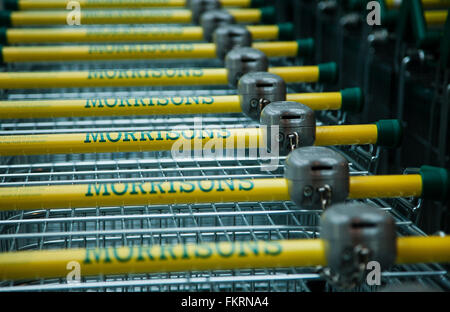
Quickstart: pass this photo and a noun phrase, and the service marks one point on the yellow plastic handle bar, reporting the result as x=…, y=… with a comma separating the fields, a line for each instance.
x=199, y=257
x=391, y=4
x=182, y=140
x=143, y=77
x=168, y=33
x=102, y=4
x=190, y=192
x=174, y=105
x=133, y=51
x=435, y=18
x=131, y=16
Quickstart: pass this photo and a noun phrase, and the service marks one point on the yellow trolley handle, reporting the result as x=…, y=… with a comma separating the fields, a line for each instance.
x=187, y=140
x=347, y=100
x=436, y=18
x=199, y=257
x=154, y=77
x=122, y=4
x=396, y=4
x=167, y=33
x=431, y=183
x=264, y=15
x=138, y=51
x=393, y=4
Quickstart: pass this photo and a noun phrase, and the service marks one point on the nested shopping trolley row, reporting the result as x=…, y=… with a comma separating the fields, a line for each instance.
x=186, y=220
x=270, y=187
x=251, y=222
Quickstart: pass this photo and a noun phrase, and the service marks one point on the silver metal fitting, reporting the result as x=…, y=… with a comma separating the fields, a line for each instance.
x=229, y=37
x=356, y=234
x=211, y=20
x=198, y=7
x=317, y=176
x=296, y=125
x=243, y=60
x=258, y=89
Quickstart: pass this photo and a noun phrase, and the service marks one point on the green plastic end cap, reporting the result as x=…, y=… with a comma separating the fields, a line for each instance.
x=268, y=15
x=390, y=133
x=12, y=5
x=305, y=47
x=3, y=38
x=257, y=3
x=5, y=18
x=435, y=183
x=328, y=72
x=285, y=31
x=352, y=100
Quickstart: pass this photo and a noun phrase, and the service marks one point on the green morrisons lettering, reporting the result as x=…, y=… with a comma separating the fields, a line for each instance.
x=225, y=253
x=204, y=187
x=140, y=48
x=123, y=258
x=135, y=185
x=149, y=102
x=150, y=188
x=96, y=137
x=97, y=254
x=97, y=188
x=252, y=247
x=203, y=252
x=167, y=252
x=144, y=32
x=144, y=253
x=114, y=189
x=157, y=186
x=187, y=187
x=145, y=73
x=228, y=183
x=273, y=248
x=136, y=15
x=142, y=136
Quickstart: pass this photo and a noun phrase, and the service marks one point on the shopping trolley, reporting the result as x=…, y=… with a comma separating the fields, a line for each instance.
x=183, y=223
x=168, y=224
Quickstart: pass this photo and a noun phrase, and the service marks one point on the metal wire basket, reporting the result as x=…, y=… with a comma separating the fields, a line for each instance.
x=168, y=224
